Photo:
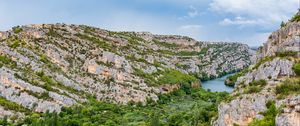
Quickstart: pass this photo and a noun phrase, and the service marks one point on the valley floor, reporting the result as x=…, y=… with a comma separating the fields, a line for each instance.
x=183, y=107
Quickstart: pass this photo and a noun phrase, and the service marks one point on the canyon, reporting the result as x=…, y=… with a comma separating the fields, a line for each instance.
x=60, y=74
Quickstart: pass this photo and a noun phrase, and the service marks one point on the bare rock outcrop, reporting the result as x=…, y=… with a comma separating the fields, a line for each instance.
x=291, y=112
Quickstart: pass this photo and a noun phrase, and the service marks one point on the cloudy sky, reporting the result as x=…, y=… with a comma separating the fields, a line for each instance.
x=246, y=21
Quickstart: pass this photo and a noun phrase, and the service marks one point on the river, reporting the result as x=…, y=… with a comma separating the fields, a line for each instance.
x=217, y=85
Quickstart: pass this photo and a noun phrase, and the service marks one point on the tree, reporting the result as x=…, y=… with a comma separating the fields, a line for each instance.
x=282, y=24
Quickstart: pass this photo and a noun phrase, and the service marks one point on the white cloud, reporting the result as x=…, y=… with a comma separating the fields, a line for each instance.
x=240, y=21
x=195, y=31
x=192, y=13
x=190, y=27
x=267, y=12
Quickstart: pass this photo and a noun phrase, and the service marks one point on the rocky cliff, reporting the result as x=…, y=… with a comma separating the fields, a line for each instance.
x=45, y=67
x=272, y=80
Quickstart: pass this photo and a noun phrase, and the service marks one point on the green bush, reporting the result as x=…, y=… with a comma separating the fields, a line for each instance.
x=168, y=76
x=44, y=59
x=288, y=87
x=282, y=24
x=252, y=89
x=7, y=61
x=175, y=77
x=101, y=43
x=17, y=29
x=188, y=53
x=12, y=105
x=255, y=86
x=286, y=54
x=15, y=44
x=296, y=68
x=53, y=33
x=258, y=83
x=296, y=18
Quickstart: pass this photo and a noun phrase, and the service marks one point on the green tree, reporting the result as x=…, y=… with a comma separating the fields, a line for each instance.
x=282, y=24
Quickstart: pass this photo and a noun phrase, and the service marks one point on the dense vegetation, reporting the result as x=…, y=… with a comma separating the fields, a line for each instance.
x=6, y=104
x=167, y=76
x=296, y=18
x=197, y=107
x=255, y=86
x=288, y=87
x=296, y=68
x=17, y=29
x=7, y=61
x=286, y=54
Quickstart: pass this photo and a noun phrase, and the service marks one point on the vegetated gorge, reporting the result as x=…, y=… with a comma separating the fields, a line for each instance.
x=76, y=75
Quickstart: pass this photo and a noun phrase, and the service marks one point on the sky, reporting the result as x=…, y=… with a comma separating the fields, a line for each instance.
x=244, y=21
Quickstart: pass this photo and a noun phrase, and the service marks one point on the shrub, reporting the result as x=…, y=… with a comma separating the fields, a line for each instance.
x=6, y=60
x=252, y=89
x=270, y=103
x=288, y=87
x=17, y=29
x=44, y=59
x=188, y=53
x=296, y=18
x=16, y=43
x=258, y=83
x=255, y=86
x=53, y=33
x=12, y=105
x=102, y=44
x=296, y=68
x=286, y=54
x=172, y=76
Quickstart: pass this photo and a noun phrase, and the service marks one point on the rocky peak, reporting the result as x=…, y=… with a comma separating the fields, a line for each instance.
x=285, y=39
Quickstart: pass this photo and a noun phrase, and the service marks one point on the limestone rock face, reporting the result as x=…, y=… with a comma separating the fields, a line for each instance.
x=242, y=110
x=283, y=40
x=269, y=70
x=291, y=113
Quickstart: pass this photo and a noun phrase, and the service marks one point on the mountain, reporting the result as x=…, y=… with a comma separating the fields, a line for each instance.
x=45, y=68
x=268, y=92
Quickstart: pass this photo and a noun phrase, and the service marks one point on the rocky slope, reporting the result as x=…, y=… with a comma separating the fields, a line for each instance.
x=271, y=79
x=45, y=67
